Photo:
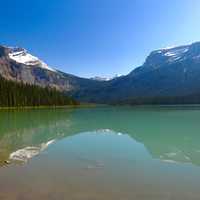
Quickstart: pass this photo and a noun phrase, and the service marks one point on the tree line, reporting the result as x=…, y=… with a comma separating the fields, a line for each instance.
x=18, y=94
x=163, y=100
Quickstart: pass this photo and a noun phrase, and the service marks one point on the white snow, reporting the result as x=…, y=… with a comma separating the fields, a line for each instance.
x=176, y=52
x=21, y=56
x=173, y=53
x=99, y=78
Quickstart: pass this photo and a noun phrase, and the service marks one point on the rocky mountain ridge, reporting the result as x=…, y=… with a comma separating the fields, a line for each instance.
x=171, y=71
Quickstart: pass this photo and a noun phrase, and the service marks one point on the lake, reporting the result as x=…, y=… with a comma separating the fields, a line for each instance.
x=102, y=153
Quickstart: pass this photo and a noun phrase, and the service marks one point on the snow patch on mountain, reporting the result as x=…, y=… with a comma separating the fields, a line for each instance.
x=173, y=54
x=176, y=52
x=22, y=56
x=99, y=78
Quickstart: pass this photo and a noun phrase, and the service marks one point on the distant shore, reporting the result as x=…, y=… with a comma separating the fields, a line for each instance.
x=44, y=107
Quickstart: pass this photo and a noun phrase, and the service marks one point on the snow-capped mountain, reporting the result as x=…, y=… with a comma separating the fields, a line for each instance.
x=174, y=54
x=21, y=55
x=168, y=72
x=18, y=64
x=170, y=56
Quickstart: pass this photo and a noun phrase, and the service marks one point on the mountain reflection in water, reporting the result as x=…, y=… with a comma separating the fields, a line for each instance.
x=100, y=153
x=168, y=134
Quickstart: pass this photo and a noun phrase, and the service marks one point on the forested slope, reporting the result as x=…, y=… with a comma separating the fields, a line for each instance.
x=15, y=94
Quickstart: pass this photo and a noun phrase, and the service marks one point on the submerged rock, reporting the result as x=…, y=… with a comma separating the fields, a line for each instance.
x=7, y=162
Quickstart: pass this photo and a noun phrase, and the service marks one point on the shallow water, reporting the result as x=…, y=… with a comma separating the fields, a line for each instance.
x=115, y=153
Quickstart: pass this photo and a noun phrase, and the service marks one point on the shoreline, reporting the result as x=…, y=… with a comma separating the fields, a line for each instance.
x=45, y=107
x=97, y=105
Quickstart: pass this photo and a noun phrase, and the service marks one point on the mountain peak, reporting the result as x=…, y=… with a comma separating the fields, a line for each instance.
x=22, y=56
x=171, y=55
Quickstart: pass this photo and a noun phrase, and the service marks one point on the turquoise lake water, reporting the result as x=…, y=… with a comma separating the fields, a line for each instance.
x=102, y=153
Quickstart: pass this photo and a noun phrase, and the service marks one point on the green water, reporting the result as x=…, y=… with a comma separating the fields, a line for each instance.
x=103, y=153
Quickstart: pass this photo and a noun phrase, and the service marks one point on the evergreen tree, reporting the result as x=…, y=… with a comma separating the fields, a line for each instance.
x=15, y=94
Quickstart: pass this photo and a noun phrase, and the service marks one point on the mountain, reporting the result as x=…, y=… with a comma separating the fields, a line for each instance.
x=169, y=72
x=18, y=65
x=166, y=73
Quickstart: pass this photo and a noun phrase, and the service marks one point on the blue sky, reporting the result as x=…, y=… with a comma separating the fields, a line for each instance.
x=98, y=37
